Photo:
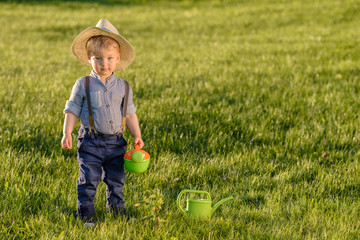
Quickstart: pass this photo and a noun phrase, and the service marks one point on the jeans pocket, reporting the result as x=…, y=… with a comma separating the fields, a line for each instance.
x=80, y=140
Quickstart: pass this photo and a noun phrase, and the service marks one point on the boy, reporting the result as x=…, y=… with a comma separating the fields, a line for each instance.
x=101, y=145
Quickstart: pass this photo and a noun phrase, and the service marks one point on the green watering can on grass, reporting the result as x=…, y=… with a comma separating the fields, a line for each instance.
x=199, y=208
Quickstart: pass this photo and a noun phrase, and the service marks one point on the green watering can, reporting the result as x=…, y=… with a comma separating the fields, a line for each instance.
x=137, y=160
x=199, y=208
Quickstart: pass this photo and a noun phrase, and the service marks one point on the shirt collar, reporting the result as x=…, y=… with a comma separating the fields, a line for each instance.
x=94, y=75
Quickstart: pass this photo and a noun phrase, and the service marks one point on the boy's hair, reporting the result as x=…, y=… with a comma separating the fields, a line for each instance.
x=97, y=42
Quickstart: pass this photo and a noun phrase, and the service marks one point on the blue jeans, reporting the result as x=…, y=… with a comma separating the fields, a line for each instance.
x=100, y=157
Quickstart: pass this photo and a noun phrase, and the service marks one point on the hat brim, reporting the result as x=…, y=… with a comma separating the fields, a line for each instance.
x=127, y=52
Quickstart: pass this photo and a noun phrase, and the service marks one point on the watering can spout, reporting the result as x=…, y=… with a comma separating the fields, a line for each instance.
x=219, y=203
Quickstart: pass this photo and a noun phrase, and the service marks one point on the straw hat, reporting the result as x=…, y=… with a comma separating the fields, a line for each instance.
x=105, y=28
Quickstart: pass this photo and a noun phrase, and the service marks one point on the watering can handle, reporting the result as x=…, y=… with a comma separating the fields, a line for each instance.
x=189, y=191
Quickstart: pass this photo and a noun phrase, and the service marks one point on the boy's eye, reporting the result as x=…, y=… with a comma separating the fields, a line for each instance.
x=110, y=58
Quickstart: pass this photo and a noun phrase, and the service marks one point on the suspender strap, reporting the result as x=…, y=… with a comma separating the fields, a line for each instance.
x=91, y=117
x=125, y=103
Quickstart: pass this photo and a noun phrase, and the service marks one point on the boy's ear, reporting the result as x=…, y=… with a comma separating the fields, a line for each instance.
x=118, y=59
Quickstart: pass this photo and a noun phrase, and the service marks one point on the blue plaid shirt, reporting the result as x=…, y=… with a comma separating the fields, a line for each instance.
x=106, y=102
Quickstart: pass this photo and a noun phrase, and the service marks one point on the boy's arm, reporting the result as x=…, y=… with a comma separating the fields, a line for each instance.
x=132, y=123
x=69, y=124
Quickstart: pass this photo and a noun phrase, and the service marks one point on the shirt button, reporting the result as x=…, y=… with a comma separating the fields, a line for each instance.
x=111, y=121
x=105, y=90
x=107, y=106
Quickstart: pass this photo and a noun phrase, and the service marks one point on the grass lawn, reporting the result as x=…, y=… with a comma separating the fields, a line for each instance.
x=252, y=99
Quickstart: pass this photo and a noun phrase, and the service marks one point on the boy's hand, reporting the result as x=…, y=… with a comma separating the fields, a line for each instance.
x=139, y=141
x=132, y=123
x=66, y=141
x=69, y=123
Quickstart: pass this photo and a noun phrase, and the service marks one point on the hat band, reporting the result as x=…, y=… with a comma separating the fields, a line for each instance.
x=106, y=29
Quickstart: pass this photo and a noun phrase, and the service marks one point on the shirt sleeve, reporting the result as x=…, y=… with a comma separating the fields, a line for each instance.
x=74, y=104
x=131, y=107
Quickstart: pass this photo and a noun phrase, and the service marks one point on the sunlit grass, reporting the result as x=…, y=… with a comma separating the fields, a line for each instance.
x=254, y=99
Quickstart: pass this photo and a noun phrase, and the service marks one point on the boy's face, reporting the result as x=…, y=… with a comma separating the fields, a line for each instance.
x=104, y=61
